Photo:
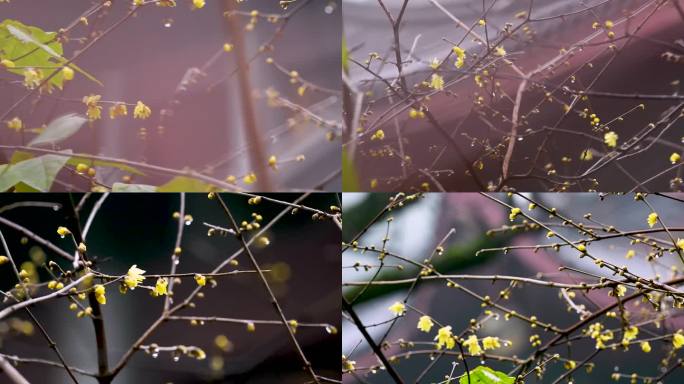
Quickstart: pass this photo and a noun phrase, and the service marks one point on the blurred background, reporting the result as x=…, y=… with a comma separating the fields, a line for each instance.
x=419, y=227
x=648, y=62
x=198, y=125
x=139, y=229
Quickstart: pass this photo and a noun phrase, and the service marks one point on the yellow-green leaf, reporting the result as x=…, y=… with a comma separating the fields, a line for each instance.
x=185, y=184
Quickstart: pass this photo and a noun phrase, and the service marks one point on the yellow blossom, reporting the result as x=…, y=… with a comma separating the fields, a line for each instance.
x=630, y=254
x=94, y=111
x=490, y=342
x=378, y=135
x=515, y=211
x=273, y=162
x=678, y=339
x=63, y=231
x=610, y=138
x=4, y=260
x=652, y=219
x=460, y=56
x=500, y=51
x=425, y=323
x=32, y=78
x=587, y=155
x=67, y=73
x=141, y=111
x=134, y=276
x=201, y=280
x=160, y=287
x=645, y=346
x=675, y=157
x=473, y=345
x=445, y=338
x=198, y=3
x=629, y=334
x=228, y=47
x=349, y=365
x=437, y=82
x=15, y=124
x=250, y=178
x=416, y=113
x=397, y=308
x=118, y=109
x=620, y=290
x=100, y=294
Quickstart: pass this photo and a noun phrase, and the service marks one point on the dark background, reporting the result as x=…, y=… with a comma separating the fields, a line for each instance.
x=139, y=229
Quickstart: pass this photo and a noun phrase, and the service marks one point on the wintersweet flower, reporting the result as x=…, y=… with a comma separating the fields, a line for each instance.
x=437, y=82
x=100, y=294
x=15, y=124
x=425, y=323
x=141, y=111
x=201, y=280
x=515, y=211
x=645, y=346
x=445, y=338
x=460, y=56
x=160, y=288
x=490, y=342
x=678, y=339
x=94, y=111
x=250, y=178
x=397, y=308
x=32, y=78
x=652, y=219
x=118, y=109
x=67, y=73
x=610, y=138
x=473, y=345
x=134, y=276
x=63, y=231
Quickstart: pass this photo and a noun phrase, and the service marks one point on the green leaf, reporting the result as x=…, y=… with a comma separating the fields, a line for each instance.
x=38, y=173
x=185, y=184
x=122, y=187
x=29, y=46
x=345, y=55
x=18, y=156
x=59, y=129
x=486, y=375
x=350, y=179
x=22, y=187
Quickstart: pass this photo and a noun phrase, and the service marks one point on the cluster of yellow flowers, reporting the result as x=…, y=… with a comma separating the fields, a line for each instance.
x=94, y=110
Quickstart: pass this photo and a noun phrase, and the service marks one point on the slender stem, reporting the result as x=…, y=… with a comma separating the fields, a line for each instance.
x=267, y=287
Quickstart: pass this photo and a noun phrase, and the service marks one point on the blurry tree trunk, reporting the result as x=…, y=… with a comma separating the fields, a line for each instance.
x=257, y=155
